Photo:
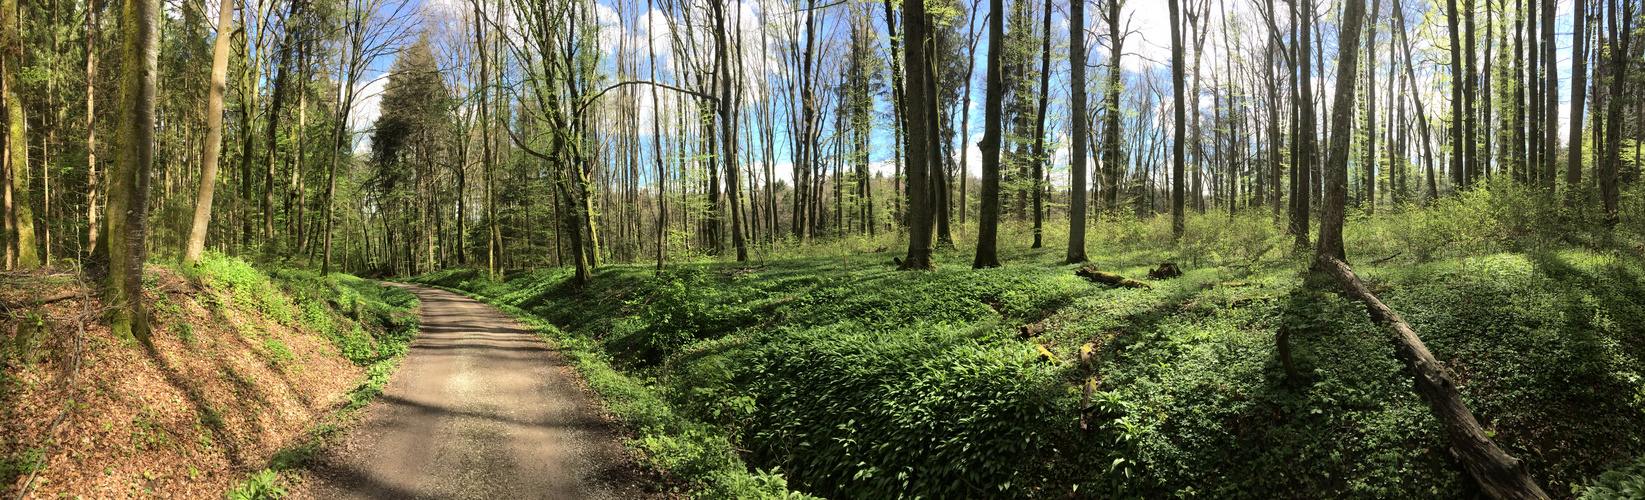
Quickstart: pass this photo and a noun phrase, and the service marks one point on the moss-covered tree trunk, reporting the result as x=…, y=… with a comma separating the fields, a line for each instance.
x=129, y=179
x=11, y=48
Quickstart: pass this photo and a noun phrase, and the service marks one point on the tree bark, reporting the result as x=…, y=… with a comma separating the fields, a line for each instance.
x=22, y=213
x=1579, y=89
x=922, y=121
x=129, y=181
x=1550, y=107
x=1076, y=160
x=1037, y=184
x=1342, y=113
x=1499, y=474
x=214, y=135
x=1178, y=222
x=988, y=215
x=92, y=176
x=1458, y=113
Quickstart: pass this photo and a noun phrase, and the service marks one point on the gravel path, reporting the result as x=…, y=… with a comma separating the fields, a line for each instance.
x=480, y=408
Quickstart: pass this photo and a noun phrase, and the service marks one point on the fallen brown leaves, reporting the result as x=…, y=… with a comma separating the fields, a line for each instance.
x=186, y=420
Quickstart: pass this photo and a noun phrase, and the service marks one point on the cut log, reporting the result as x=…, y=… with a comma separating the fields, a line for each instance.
x=1091, y=273
x=1501, y=475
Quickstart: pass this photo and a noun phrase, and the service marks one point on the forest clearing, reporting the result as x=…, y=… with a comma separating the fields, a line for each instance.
x=812, y=249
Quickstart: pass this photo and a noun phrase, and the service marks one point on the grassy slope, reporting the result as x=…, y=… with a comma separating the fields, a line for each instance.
x=248, y=373
x=859, y=381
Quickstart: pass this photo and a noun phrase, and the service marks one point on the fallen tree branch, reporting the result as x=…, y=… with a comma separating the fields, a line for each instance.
x=1501, y=476
x=1388, y=258
x=1090, y=272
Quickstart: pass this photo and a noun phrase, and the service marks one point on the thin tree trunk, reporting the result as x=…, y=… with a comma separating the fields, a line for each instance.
x=988, y=215
x=1039, y=133
x=1579, y=83
x=1342, y=112
x=1076, y=160
x=92, y=176
x=1178, y=222
x=214, y=134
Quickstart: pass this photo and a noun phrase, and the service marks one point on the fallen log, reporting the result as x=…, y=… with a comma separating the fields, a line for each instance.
x=1501, y=475
x=1090, y=272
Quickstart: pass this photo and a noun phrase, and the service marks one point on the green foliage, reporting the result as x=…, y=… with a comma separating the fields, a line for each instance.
x=20, y=464
x=1624, y=483
x=263, y=485
x=863, y=382
x=248, y=286
x=371, y=325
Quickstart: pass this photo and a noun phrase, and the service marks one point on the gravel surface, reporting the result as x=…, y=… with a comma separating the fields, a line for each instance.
x=481, y=408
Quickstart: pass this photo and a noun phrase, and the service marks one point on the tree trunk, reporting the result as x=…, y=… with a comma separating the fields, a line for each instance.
x=129, y=181
x=17, y=140
x=1178, y=222
x=1342, y=112
x=1550, y=107
x=1039, y=159
x=1500, y=475
x=214, y=134
x=1076, y=160
x=1579, y=83
x=922, y=137
x=988, y=215
x=1458, y=113
x=92, y=176
x=1309, y=146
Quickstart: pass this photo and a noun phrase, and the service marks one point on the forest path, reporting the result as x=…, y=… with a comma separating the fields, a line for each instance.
x=481, y=408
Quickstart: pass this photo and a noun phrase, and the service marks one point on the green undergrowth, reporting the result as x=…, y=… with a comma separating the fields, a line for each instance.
x=370, y=324
x=855, y=380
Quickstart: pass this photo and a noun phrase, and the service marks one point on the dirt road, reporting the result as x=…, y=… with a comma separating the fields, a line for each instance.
x=480, y=408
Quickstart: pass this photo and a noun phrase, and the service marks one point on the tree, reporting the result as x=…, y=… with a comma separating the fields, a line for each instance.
x=1111, y=163
x=923, y=166
x=1459, y=113
x=1178, y=222
x=988, y=216
x=214, y=135
x=1039, y=132
x=1579, y=83
x=128, y=205
x=17, y=139
x=1342, y=112
x=1609, y=182
x=728, y=135
x=1550, y=107
x=1076, y=160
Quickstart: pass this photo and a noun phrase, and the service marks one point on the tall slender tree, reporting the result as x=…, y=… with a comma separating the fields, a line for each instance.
x=1579, y=83
x=17, y=139
x=1076, y=160
x=1342, y=112
x=214, y=134
x=988, y=215
x=1178, y=221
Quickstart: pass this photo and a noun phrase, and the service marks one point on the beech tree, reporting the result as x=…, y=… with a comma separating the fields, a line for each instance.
x=214, y=134
x=128, y=201
x=988, y=215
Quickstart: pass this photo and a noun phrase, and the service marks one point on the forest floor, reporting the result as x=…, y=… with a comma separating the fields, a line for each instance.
x=242, y=380
x=481, y=408
x=836, y=375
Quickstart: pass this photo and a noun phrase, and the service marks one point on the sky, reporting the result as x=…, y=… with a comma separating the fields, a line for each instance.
x=1146, y=51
